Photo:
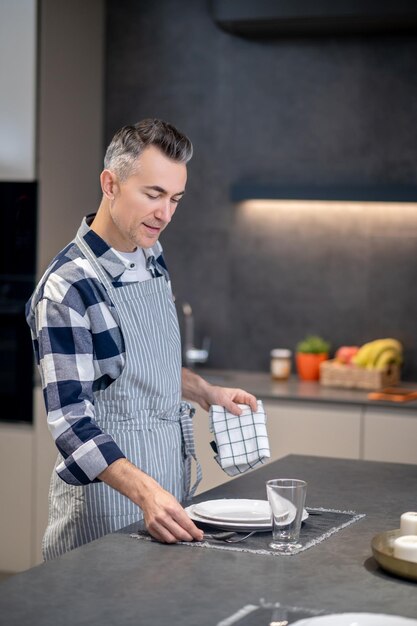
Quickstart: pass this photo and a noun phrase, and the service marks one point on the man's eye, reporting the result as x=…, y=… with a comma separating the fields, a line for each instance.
x=151, y=196
x=176, y=200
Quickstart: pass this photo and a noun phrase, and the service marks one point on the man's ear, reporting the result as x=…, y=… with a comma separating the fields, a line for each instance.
x=108, y=182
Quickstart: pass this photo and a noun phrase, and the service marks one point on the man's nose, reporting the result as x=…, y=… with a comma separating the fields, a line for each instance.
x=164, y=211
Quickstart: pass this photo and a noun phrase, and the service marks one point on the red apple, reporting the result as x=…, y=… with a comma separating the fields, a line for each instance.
x=345, y=354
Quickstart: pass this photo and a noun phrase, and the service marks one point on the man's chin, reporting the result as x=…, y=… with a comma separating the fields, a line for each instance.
x=148, y=241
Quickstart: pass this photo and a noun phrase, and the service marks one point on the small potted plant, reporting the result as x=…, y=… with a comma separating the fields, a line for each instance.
x=309, y=354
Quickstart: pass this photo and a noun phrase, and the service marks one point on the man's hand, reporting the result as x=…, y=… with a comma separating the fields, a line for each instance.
x=229, y=398
x=197, y=389
x=165, y=518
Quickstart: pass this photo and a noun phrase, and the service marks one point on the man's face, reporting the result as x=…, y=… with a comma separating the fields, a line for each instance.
x=143, y=205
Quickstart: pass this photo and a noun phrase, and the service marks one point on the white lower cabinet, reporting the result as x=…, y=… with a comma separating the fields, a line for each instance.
x=293, y=428
x=27, y=456
x=323, y=429
x=318, y=429
x=17, y=496
x=390, y=435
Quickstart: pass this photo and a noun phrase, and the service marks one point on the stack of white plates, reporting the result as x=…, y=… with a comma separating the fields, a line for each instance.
x=231, y=514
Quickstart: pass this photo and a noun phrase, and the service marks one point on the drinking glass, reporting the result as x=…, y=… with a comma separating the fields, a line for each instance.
x=286, y=497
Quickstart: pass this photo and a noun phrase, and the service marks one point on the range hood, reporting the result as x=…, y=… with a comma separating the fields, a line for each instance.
x=270, y=18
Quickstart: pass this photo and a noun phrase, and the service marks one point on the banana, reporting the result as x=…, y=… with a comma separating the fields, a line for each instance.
x=362, y=356
x=385, y=358
x=370, y=353
x=381, y=345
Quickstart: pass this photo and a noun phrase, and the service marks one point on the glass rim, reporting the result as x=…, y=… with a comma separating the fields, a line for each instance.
x=292, y=482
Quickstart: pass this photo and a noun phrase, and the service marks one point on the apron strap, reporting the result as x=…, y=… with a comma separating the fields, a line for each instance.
x=186, y=415
x=93, y=260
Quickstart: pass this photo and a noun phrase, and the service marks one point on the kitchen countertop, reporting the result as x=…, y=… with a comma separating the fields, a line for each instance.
x=124, y=581
x=294, y=389
x=262, y=385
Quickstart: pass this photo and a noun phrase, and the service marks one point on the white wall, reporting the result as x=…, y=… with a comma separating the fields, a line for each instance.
x=70, y=119
x=18, y=89
x=69, y=88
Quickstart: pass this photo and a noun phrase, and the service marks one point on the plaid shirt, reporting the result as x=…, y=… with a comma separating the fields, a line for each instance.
x=79, y=350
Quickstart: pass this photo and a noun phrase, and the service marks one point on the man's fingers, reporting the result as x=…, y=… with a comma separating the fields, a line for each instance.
x=171, y=532
x=233, y=408
x=171, y=523
x=240, y=397
x=189, y=527
x=252, y=401
x=243, y=397
x=167, y=530
x=161, y=533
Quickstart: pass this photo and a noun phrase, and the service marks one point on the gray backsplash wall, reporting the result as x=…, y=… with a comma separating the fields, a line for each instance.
x=296, y=111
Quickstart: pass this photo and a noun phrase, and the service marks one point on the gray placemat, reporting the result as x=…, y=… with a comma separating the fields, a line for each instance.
x=320, y=525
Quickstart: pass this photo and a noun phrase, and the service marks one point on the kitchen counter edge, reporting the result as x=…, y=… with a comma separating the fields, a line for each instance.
x=265, y=388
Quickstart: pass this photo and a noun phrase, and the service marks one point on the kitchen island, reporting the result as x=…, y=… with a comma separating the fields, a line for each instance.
x=303, y=418
x=126, y=581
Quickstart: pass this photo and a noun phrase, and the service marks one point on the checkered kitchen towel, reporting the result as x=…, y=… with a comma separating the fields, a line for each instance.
x=241, y=442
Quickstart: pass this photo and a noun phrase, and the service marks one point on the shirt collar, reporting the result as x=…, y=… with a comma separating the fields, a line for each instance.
x=111, y=262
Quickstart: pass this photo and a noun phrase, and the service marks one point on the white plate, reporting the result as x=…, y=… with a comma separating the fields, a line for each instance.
x=356, y=619
x=229, y=510
x=239, y=526
x=228, y=525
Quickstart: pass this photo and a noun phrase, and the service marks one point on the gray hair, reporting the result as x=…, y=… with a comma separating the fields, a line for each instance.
x=130, y=141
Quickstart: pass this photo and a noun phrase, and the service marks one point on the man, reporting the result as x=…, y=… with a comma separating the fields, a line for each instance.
x=107, y=344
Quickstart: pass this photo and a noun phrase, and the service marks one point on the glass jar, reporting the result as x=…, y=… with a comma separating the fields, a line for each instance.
x=280, y=363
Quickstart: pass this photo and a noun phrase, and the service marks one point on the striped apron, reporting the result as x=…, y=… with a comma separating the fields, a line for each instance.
x=143, y=412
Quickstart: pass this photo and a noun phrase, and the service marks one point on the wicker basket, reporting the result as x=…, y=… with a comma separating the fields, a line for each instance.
x=335, y=374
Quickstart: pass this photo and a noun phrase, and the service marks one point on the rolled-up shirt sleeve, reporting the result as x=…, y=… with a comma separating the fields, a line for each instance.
x=69, y=374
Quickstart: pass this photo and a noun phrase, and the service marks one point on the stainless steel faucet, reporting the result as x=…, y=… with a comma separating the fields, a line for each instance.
x=193, y=355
